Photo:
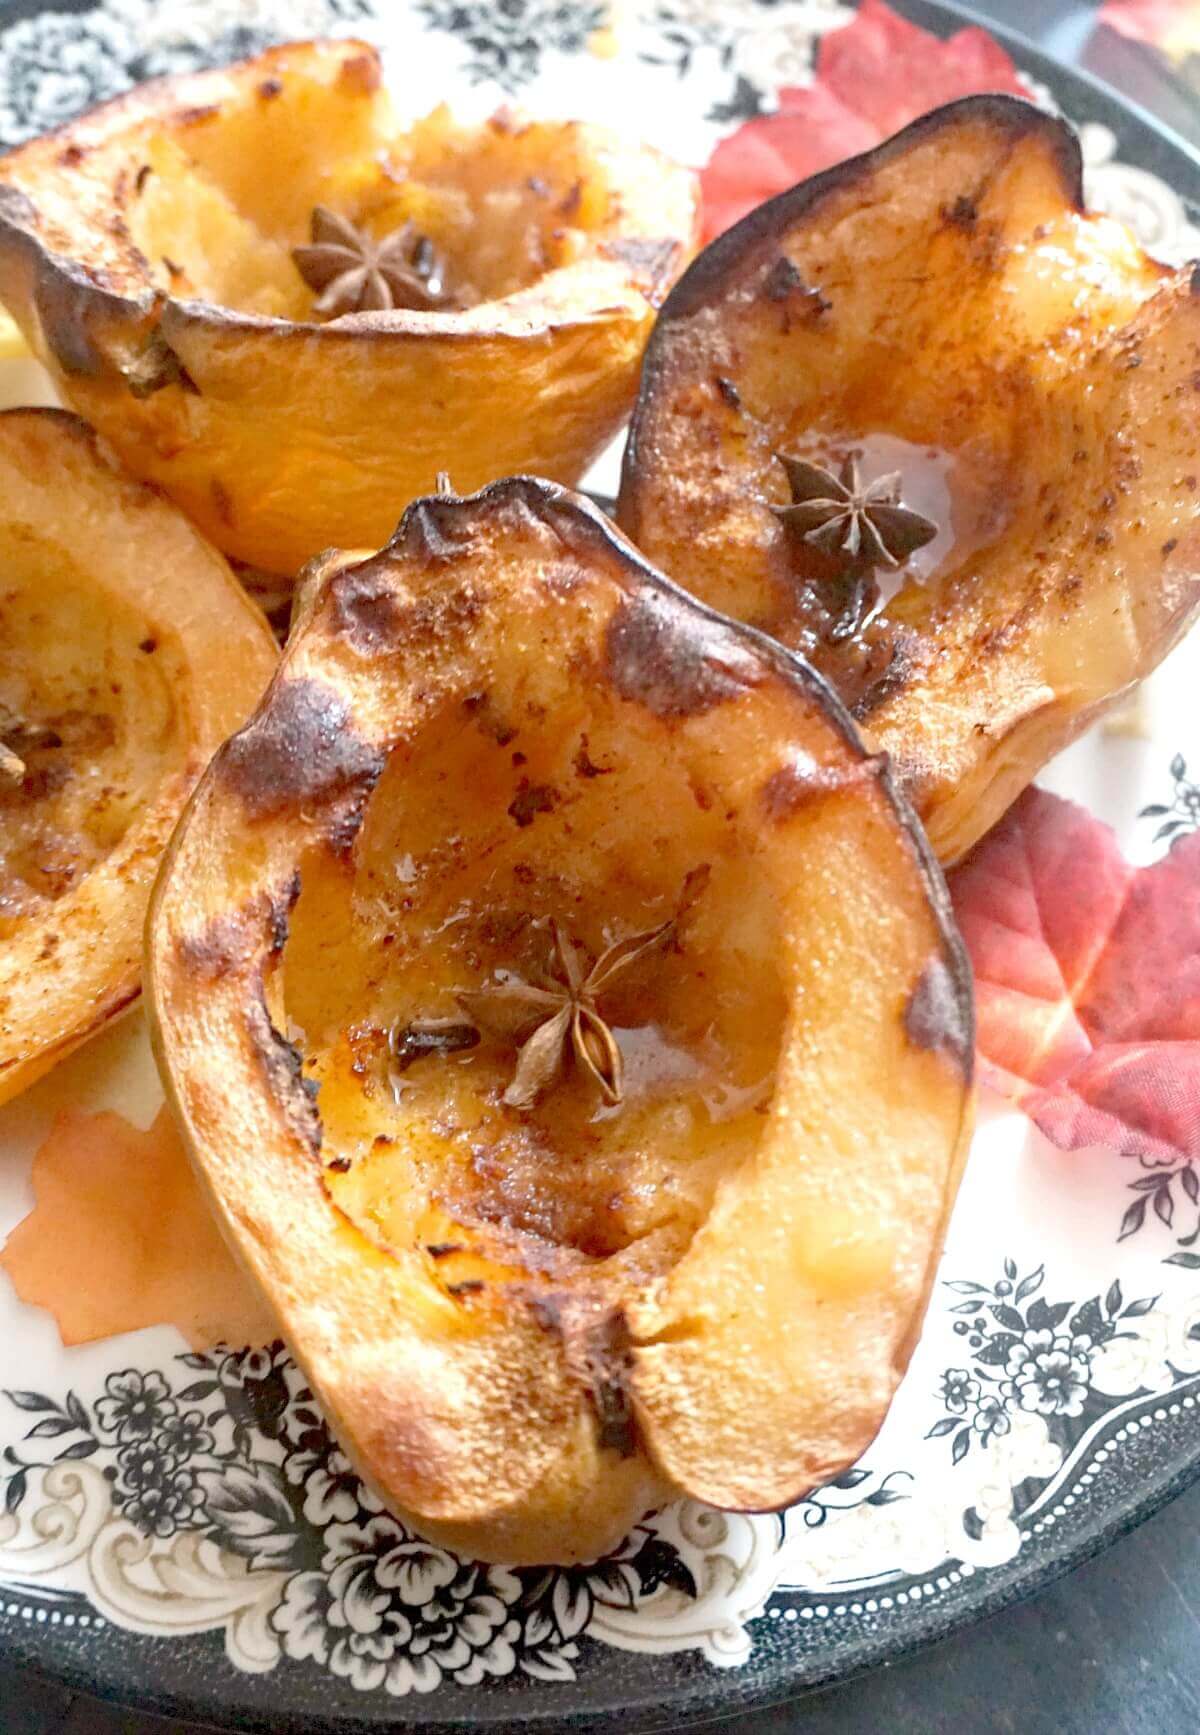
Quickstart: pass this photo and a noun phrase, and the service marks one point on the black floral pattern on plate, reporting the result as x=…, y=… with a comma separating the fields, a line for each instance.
x=55, y=65
x=506, y=39
x=237, y=1452
x=1181, y=814
x=1027, y=1354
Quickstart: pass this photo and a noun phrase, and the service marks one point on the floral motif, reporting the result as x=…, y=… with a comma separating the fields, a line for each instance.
x=757, y=50
x=1048, y=1374
x=1182, y=813
x=332, y=1491
x=388, y=1611
x=1028, y=1355
x=506, y=39
x=168, y=1500
x=189, y=35
x=184, y=1435
x=134, y=1404
x=959, y=1390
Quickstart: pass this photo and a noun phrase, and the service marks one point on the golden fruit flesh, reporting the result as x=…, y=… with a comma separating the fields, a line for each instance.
x=127, y=652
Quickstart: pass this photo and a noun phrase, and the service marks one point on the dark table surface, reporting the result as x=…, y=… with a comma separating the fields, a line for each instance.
x=1112, y=1650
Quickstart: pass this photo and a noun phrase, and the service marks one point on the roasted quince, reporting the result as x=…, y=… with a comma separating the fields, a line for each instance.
x=290, y=315
x=565, y=1015
x=930, y=422
x=127, y=652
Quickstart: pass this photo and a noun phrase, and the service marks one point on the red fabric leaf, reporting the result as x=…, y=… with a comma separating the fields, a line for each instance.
x=889, y=71
x=873, y=76
x=812, y=130
x=1087, y=974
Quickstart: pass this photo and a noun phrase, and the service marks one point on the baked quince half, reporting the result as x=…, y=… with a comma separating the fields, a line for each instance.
x=291, y=315
x=566, y=1017
x=127, y=652
x=930, y=422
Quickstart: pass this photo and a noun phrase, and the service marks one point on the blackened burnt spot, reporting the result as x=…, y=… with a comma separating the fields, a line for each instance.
x=888, y=666
x=63, y=301
x=597, y=1349
x=237, y=939
x=222, y=943
x=797, y=785
x=497, y=728
x=785, y=283
x=651, y=261
x=939, y=1015
x=282, y=1068
x=962, y=213
x=781, y=280
x=364, y=608
x=222, y=503
x=530, y=800
x=673, y=660
x=607, y=1360
x=447, y=615
x=345, y=820
x=433, y=530
x=155, y=367
x=728, y=391
x=199, y=115
x=585, y=765
x=302, y=748
x=281, y=908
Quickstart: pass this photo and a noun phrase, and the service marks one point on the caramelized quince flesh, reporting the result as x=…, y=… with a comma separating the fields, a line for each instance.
x=502, y=203
x=88, y=704
x=448, y=893
x=127, y=653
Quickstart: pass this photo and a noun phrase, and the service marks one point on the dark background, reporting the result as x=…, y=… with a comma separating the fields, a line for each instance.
x=1115, y=1648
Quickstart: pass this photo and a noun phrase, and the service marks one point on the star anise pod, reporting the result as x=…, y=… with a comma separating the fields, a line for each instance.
x=559, y=1014
x=865, y=525
x=355, y=273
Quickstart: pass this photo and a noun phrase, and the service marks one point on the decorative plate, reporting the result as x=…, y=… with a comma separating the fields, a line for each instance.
x=177, y=1526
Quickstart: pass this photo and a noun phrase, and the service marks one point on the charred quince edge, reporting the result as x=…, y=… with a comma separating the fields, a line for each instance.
x=708, y=271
